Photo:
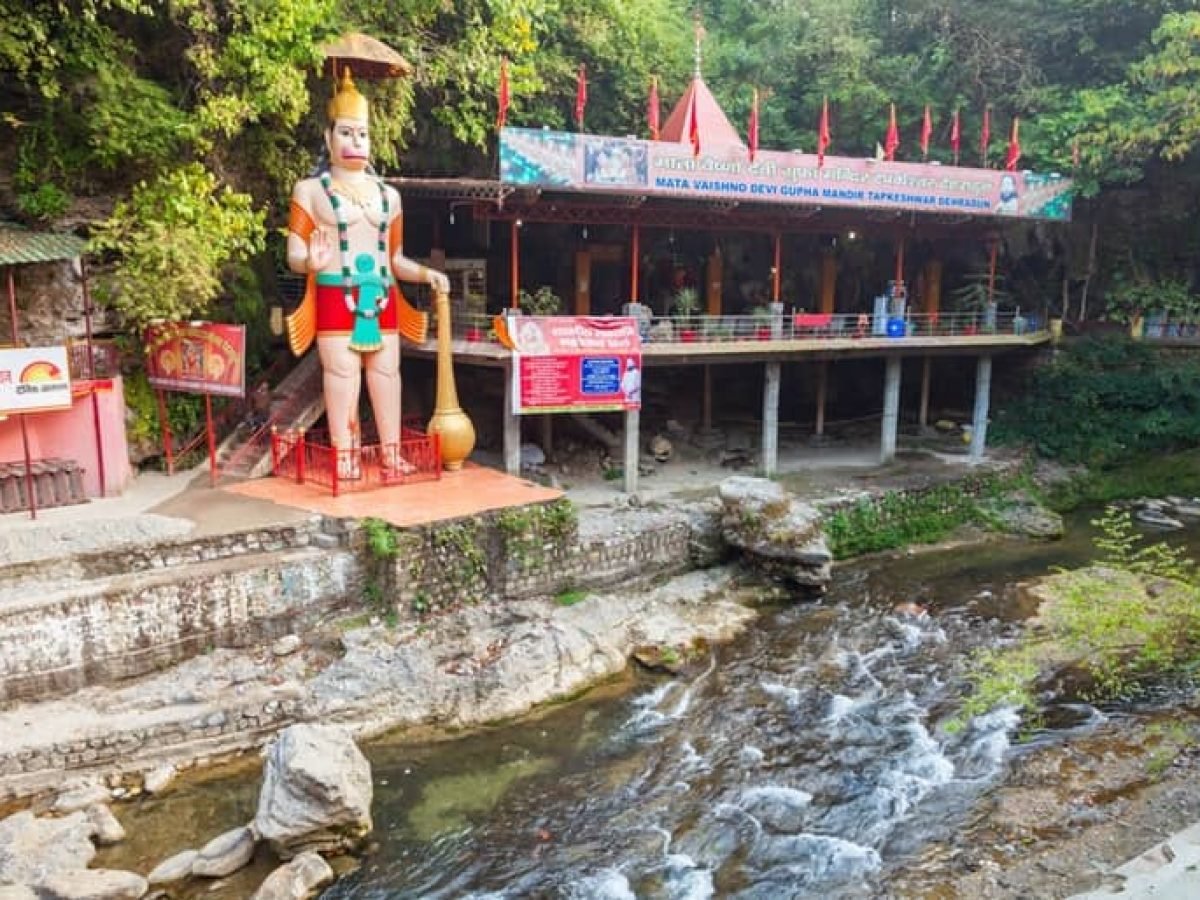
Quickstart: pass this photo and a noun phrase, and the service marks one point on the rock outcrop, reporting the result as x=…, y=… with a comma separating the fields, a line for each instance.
x=32, y=849
x=93, y=884
x=296, y=880
x=316, y=792
x=775, y=532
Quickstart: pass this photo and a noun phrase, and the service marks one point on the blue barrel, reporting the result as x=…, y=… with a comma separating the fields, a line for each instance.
x=895, y=327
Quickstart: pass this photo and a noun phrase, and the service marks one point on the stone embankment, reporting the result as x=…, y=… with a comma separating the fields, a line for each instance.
x=233, y=638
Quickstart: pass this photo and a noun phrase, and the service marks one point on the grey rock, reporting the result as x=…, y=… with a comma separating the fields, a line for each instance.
x=174, y=868
x=158, y=780
x=32, y=848
x=1186, y=509
x=93, y=884
x=79, y=796
x=776, y=532
x=108, y=829
x=225, y=854
x=286, y=645
x=316, y=792
x=532, y=456
x=296, y=880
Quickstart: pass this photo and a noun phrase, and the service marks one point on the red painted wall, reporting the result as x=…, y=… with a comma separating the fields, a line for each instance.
x=71, y=434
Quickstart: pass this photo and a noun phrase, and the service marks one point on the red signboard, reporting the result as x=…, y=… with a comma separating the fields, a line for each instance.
x=576, y=364
x=197, y=358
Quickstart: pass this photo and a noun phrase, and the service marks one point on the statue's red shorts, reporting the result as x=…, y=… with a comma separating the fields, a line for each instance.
x=334, y=318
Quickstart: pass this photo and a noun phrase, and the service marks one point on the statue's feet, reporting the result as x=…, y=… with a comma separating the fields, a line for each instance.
x=349, y=465
x=393, y=464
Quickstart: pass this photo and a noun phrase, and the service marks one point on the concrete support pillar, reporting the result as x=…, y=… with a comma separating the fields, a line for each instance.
x=512, y=426
x=983, y=392
x=633, y=421
x=822, y=393
x=891, y=409
x=926, y=374
x=770, y=418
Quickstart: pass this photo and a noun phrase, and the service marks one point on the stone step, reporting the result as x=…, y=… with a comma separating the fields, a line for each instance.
x=63, y=638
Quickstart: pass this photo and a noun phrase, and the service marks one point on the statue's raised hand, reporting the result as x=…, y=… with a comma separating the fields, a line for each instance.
x=320, y=250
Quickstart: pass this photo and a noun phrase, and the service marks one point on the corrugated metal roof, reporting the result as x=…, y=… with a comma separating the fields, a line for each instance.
x=19, y=246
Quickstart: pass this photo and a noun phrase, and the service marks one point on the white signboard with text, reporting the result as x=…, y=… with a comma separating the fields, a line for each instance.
x=33, y=379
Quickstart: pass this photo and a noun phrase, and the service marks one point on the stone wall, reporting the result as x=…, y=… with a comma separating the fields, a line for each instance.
x=96, y=618
x=522, y=554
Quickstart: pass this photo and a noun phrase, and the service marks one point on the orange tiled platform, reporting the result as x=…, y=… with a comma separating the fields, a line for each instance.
x=473, y=489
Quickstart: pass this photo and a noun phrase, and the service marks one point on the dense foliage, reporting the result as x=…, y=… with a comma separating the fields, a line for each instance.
x=107, y=103
x=1105, y=400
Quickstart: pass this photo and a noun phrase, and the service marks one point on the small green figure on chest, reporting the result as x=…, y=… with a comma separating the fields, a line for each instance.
x=372, y=289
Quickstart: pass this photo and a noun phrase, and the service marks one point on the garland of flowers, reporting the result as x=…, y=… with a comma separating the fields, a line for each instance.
x=344, y=241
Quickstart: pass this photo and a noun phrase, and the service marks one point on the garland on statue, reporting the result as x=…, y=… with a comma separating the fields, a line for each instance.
x=344, y=240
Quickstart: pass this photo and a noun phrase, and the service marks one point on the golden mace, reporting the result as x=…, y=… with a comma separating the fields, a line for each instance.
x=449, y=420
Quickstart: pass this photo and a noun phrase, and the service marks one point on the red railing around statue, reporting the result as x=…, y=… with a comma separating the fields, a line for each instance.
x=310, y=458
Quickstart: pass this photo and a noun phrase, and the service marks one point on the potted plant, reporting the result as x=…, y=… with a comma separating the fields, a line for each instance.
x=542, y=302
x=684, y=307
x=980, y=295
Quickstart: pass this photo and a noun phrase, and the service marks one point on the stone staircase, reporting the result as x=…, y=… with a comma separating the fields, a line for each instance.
x=295, y=405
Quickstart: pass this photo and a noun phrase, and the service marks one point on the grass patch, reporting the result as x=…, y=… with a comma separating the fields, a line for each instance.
x=1158, y=476
x=570, y=597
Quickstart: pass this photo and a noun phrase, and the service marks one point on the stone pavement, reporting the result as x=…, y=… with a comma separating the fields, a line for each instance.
x=1167, y=871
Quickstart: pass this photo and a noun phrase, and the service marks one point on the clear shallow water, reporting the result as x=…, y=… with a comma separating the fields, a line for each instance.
x=806, y=759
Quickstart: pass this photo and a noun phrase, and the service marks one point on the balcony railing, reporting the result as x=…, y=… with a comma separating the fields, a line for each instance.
x=801, y=327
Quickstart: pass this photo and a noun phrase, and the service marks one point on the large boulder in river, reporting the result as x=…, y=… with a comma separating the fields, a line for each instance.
x=296, y=880
x=316, y=792
x=776, y=532
x=32, y=848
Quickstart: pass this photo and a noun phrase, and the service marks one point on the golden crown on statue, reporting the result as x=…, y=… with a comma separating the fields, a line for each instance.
x=347, y=103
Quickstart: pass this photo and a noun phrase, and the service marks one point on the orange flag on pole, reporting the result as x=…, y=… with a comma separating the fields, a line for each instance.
x=956, y=136
x=1014, y=147
x=824, y=138
x=926, y=132
x=985, y=135
x=502, y=95
x=752, y=138
x=652, y=110
x=581, y=95
x=892, y=141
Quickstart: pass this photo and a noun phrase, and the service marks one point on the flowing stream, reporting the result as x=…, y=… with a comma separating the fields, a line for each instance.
x=808, y=758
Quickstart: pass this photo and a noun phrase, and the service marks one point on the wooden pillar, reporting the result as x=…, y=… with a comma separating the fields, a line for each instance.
x=632, y=444
x=983, y=391
x=548, y=435
x=583, y=282
x=933, y=286
x=712, y=283
x=828, y=280
x=512, y=424
x=899, y=261
x=633, y=264
x=514, y=263
x=891, y=410
x=822, y=393
x=926, y=372
x=770, y=420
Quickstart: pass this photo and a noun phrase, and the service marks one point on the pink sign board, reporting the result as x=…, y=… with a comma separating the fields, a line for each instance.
x=565, y=161
x=576, y=364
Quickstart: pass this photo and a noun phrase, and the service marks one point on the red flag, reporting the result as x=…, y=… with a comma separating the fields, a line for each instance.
x=1075, y=156
x=824, y=139
x=694, y=125
x=956, y=136
x=502, y=96
x=926, y=132
x=581, y=95
x=1014, y=148
x=753, y=134
x=985, y=135
x=892, y=141
x=652, y=109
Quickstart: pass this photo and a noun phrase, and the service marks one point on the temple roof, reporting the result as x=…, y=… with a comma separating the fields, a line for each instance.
x=713, y=125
